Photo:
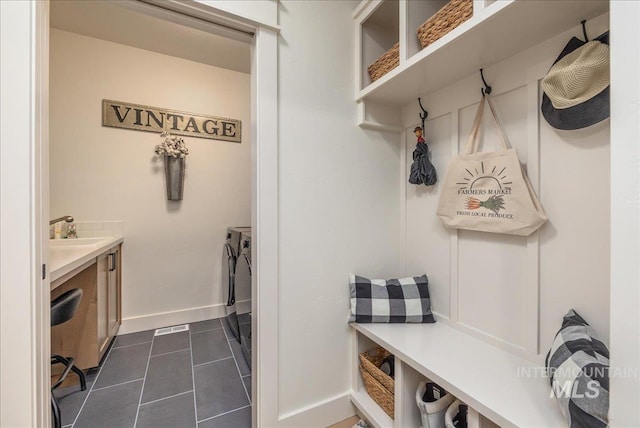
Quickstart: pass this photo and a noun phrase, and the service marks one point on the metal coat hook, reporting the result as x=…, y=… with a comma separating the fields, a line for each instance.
x=487, y=89
x=422, y=170
x=424, y=114
x=584, y=29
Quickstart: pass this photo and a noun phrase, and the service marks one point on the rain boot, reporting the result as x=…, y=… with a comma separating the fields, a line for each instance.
x=433, y=402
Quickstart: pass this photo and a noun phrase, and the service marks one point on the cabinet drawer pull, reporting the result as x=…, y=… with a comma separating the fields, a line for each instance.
x=113, y=262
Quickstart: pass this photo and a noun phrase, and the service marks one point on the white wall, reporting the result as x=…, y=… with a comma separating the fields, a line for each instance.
x=172, y=250
x=339, y=205
x=625, y=213
x=513, y=291
x=24, y=303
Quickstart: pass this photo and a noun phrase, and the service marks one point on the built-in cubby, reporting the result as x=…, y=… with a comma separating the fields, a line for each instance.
x=359, y=397
x=496, y=31
x=379, y=32
x=417, y=13
x=500, y=389
x=483, y=354
x=408, y=381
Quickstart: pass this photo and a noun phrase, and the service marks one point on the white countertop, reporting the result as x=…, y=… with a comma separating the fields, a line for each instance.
x=66, y=255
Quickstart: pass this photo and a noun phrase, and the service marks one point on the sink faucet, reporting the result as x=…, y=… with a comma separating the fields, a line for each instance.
x=66, y=218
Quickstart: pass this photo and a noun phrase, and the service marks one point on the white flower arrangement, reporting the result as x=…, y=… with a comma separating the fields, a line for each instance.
x=171, y=146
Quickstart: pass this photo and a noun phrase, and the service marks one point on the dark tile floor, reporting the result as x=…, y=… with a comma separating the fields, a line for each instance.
x=197, y=378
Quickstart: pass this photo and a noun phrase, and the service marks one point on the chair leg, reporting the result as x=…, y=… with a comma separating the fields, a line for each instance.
x=83, y=380
x=55, y=358
x=68, y=363
x=55, y=408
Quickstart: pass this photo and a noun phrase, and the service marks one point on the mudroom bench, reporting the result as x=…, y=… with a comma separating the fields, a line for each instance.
x=500, y=388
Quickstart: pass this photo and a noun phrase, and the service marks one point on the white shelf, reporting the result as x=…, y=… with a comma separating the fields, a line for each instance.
x=370, y=410
x=481, y=375
x=497, y=32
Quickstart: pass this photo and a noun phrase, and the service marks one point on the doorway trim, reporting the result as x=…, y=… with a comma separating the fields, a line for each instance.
x=24, y=179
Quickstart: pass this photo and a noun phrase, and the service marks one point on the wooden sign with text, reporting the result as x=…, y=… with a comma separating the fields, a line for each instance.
x=153, y=119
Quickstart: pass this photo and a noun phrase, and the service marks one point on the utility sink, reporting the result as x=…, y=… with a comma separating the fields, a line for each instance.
x=65, y=255
x=75, y=242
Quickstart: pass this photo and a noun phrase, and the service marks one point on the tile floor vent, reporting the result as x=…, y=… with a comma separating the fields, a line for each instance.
x=169, y=330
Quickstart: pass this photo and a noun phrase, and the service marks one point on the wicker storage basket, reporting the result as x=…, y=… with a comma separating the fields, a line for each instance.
x=379, y=385
x=387, y=62
x=446, y=19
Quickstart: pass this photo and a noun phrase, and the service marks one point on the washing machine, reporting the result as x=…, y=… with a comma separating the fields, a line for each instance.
x=243, y=295
x=230, y=252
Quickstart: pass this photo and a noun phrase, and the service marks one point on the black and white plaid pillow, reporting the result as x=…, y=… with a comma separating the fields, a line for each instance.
x=403, y=300
x=578, y=366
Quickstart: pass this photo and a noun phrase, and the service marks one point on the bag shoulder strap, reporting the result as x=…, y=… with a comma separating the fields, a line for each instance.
x=474, y=137
x=475, y=128
x=503, y=135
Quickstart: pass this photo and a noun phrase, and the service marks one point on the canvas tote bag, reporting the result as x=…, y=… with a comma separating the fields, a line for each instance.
x=489, y=191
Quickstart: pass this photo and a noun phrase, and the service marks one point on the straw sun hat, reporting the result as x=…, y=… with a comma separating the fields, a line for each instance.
x=576, y=88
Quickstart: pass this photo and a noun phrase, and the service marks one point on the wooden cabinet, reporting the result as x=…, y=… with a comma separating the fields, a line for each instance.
x=77, y=338
x=114, y=312
x=102, y=283
x=108, y=291
x=86, y=337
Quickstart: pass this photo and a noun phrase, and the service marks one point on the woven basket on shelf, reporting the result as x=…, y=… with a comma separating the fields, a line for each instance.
x=387, y=62
x=446, y=19
x=379, y=385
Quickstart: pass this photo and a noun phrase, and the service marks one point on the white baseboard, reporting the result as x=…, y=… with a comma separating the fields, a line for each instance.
x=320, y=414
x=243, y=306
x=184, y=316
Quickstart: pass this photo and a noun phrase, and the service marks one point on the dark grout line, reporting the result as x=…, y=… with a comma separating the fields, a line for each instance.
x=171, y=352
x=235, y=361
x=166, y=398
x=193, y=382
x=225, y=413
x=132, y=344
x=146, y=371
x=117, y=384
x=214, y=361
x=204, y=331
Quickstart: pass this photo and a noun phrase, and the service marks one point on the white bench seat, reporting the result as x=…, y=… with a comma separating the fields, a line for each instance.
x=492, y=381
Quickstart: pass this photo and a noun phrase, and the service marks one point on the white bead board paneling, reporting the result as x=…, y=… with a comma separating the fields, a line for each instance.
x=574, y=246
x=427, y=241
x=513, y=291
x=492, y=268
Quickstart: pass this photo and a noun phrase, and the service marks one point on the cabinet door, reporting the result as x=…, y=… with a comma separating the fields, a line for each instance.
x=114, y=314
x=77, y=337
x=102, y=303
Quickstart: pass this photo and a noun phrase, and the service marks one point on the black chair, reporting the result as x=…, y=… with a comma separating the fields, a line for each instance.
x=62, y=310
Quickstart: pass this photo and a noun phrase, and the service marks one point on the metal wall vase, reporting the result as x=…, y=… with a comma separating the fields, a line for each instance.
x=174, y=173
